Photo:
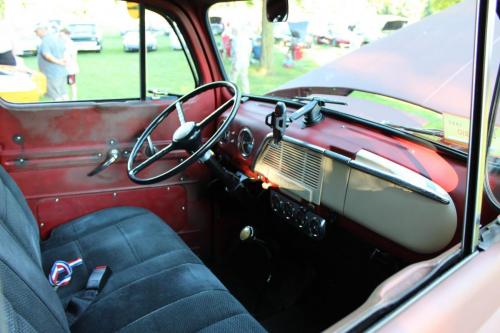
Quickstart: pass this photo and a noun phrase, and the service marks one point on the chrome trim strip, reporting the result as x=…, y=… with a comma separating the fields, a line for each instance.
x=403, y=176
x=399, y=181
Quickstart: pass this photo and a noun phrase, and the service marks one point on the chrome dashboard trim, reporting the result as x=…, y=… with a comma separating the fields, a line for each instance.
x=401, y=176
x=415, y=183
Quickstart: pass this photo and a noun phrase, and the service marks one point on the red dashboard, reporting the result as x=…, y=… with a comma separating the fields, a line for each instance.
x=347, y=138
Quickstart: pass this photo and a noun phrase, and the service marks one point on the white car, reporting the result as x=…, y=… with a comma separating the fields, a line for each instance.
x=131, y=41
x=86, y=36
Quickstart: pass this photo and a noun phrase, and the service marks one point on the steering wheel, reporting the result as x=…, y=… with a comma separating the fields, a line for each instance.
x=187, y=136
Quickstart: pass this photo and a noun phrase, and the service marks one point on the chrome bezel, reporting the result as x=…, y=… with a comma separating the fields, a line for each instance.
x=239, y=143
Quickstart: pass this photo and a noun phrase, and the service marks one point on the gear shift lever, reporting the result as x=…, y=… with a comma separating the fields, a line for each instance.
x=247, y=235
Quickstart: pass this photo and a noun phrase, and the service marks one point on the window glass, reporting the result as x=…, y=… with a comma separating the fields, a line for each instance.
x=168, y=69
x=58, y=50
x=402, y=63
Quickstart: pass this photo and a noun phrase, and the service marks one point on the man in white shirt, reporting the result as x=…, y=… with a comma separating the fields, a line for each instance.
x=70, y=55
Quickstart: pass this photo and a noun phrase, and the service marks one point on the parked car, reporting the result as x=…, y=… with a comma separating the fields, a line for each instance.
x=216, y=25
x=86, y=36
x=379, y=27
x=20, y=85
x=331, y=34
x=131, y=41
x=285, y=32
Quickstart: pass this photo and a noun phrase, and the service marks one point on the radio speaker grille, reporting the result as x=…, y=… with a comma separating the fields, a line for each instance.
x=294, y=162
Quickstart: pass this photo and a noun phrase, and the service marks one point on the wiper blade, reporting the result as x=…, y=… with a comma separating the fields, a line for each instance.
x=319, y=99
x=426, y=131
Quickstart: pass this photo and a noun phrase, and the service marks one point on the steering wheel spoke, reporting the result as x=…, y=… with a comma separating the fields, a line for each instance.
x=180, y=112
x=214, y=115
x=159, y=154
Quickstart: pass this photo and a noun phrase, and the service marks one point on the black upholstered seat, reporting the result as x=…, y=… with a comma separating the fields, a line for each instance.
x=158, y=284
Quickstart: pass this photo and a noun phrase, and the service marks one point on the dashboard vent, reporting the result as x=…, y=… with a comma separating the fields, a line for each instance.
x=294, y=162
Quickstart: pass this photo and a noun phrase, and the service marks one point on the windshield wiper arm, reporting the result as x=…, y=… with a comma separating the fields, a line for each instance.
x=319, y=99
x=426, y=131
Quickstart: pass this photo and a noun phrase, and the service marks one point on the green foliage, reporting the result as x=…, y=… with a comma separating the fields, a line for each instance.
x=2, y=9
x=438, y=5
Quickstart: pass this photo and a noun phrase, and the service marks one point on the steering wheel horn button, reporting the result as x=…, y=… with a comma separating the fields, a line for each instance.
x=185, y=132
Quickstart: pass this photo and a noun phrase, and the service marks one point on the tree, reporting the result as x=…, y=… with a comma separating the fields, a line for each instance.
x=266, y=60
x=2, y=9
x=438, y=5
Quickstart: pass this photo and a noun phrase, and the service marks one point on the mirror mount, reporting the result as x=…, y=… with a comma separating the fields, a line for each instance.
x=277, y=10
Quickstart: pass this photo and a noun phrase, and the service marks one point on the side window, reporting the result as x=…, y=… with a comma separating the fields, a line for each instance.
x=50, y=52
x=168, y=70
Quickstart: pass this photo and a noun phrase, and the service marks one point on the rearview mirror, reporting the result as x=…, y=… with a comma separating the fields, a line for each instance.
x=277, y=10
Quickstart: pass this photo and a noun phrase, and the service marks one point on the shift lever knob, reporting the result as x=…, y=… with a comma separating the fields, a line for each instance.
x=247, y=233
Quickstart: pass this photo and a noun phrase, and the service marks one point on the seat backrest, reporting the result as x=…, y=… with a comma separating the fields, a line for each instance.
x=27, y=301
x=17, y=217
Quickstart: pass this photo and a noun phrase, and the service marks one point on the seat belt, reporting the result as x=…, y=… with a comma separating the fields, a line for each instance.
x=83, y=299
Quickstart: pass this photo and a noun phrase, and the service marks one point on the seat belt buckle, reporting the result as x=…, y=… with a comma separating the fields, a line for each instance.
x=62, y=271
x=98, y=278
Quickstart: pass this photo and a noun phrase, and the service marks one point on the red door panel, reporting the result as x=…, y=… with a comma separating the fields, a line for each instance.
x=168, y=202
x=50, y=149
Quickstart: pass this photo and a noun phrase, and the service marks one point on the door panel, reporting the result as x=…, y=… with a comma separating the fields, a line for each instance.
x=49, y=150
x=468, y=300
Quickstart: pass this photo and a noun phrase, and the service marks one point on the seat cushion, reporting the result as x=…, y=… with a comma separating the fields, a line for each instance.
x=157, y=284
x=133, y=242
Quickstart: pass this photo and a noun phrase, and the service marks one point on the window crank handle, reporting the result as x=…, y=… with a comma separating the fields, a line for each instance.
x=111, y=158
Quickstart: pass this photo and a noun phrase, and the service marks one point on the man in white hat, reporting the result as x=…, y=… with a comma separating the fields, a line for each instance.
x=51, y=63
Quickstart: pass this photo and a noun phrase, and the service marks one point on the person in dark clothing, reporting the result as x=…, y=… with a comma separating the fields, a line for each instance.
x=7, y=58
x=6, y=46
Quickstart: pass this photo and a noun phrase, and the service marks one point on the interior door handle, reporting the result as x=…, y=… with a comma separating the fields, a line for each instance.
x=111, y=158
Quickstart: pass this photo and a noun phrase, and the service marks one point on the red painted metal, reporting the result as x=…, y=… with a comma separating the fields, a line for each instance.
x=60, y=144
x=168, y=202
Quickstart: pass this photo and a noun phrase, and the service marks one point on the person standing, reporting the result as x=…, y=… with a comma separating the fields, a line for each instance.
x=51, y=63
x=241, y=50
x=70, y=56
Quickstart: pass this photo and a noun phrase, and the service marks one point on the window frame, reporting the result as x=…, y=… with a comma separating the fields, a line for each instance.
x=143, y=95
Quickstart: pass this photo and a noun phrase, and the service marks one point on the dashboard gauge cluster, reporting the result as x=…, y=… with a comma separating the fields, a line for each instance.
x=295, y=214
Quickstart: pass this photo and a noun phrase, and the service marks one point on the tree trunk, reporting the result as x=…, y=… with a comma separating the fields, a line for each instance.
x=266, y=61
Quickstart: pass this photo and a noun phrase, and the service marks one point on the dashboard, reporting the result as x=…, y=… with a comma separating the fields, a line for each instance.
x=403, y=191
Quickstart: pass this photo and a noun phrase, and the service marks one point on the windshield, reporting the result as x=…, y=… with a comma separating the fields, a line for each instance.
x=405, y=64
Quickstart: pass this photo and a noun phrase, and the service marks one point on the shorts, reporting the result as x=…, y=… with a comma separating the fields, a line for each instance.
x=71, y=79
x=56, y=88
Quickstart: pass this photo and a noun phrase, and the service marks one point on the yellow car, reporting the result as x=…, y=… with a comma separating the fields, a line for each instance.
x=21, y=84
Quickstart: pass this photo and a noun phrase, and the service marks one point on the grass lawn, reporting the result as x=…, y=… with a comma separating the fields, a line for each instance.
x=434, y=119
x=114, y=74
